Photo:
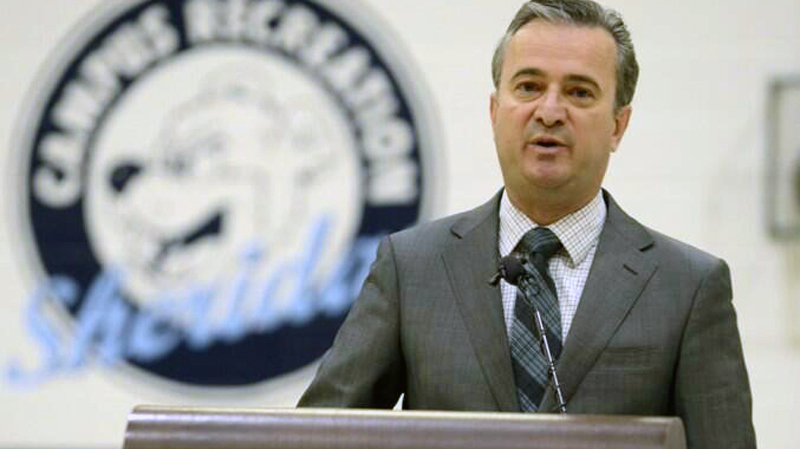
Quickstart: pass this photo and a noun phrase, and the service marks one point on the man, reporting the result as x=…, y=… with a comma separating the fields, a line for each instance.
x=643, y=324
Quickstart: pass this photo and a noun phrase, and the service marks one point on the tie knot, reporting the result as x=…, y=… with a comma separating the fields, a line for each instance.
x=539, y=243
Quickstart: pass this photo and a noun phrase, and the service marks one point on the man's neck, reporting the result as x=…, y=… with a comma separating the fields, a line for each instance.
x=544, y=210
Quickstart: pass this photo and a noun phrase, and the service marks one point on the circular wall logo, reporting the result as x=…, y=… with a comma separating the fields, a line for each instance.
x=204, y=183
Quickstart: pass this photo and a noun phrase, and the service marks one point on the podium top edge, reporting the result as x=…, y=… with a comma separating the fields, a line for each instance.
x=173, y=410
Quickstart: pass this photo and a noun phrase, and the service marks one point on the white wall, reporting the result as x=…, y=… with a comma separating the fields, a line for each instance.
x=692, y=165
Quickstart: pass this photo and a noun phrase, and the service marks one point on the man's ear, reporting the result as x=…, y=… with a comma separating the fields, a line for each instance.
x=621, y=119
x=493, y=107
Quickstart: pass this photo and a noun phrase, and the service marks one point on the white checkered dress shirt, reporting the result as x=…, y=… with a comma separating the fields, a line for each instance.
x=579, y=232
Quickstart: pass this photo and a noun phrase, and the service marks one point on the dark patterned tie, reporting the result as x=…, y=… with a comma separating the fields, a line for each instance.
x=529, y=362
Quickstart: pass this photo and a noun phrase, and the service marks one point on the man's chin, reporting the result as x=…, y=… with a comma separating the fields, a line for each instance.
x=547, y=181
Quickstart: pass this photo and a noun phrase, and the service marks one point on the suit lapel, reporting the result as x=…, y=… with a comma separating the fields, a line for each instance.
x=470, y=261
x=619, y=273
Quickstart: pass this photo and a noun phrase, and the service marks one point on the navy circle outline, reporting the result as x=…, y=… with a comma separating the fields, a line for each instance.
x=60, y=240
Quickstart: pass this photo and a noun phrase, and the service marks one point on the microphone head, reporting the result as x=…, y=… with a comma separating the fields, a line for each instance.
x=511, y=268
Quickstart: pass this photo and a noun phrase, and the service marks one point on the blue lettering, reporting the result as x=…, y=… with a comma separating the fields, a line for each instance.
x=151, y=338
x=100, y=323
x=266, y=317
x=198, y=305
x=110, y=329
x=301, y=310
x=234, y=328
x=61, y=289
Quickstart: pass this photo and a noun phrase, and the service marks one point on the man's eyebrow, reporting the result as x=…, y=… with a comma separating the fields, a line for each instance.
x=527, y=71
x=574, y=78
x=584, y=79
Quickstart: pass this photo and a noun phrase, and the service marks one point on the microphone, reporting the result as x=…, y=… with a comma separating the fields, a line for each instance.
x=511, y=268
x=514, y=270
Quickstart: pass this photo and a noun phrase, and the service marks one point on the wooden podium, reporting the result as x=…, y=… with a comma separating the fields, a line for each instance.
x=155, y=427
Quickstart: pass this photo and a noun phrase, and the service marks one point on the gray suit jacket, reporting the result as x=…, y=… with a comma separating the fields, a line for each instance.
x=655, y=332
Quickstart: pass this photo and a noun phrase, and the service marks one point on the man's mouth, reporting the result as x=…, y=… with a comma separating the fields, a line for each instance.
x=548, y=143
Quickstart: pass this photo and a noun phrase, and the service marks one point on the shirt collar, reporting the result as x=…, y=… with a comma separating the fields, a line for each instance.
x=579, y=231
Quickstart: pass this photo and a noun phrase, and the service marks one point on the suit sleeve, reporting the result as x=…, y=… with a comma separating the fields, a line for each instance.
x=364, y=368
x=712, y=391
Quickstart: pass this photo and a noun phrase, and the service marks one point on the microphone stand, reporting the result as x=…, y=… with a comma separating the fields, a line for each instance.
x=529, y=289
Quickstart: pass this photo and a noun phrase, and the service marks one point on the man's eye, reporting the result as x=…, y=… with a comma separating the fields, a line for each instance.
x=581, y=93
x=528, y=87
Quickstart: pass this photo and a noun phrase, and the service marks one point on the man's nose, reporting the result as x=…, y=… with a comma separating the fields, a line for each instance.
x=550, y=111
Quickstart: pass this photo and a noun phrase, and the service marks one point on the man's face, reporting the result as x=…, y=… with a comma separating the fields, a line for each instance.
x=553, y=112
